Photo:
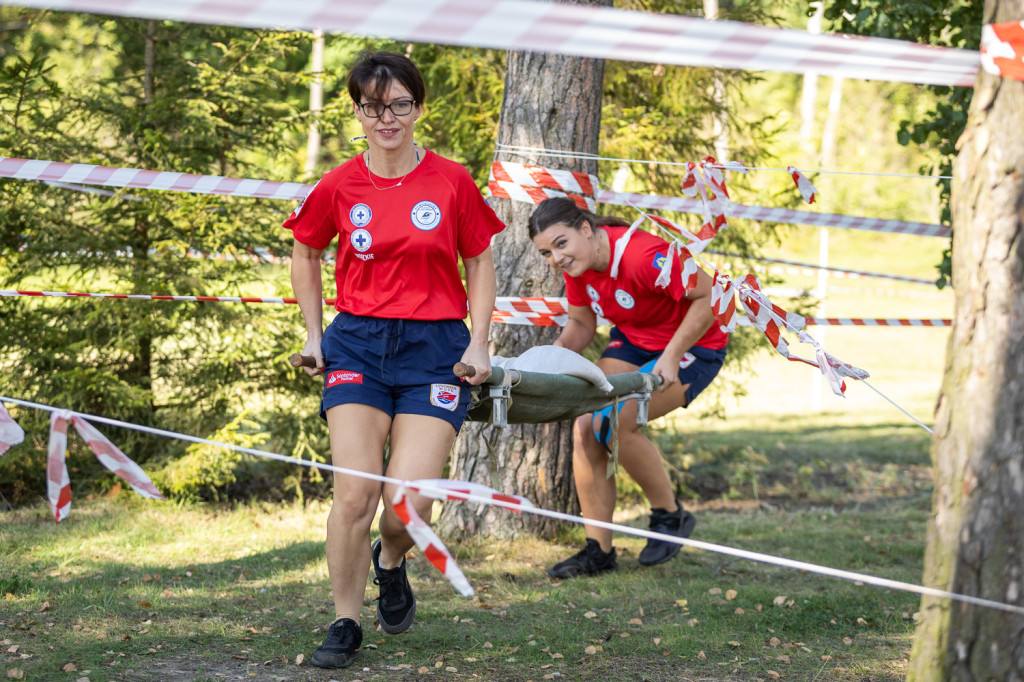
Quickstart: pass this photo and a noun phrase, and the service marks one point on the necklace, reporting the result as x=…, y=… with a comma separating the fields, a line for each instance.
x=400, y=180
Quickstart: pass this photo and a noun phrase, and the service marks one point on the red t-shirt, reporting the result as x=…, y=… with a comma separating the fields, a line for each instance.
x=646, y=314
x=398, y=249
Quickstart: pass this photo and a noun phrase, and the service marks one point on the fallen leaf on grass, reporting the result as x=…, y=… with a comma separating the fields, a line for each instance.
x=299, y=659
x=15, y=674
x=590, y=650
x=779, y=601
x=44, y=608
x=657, y=641
x=715, y=590
x=701, y=656
x=488, y=645
x=774, y=641
x=772, y=675
x=826, y=657
x=682, y=603
x=734, y=644
x=731, y=594
x=590, y=614
x=423, y=670
x=635, y=621
x=739, y=611
x=70, y=668
x=847, y=641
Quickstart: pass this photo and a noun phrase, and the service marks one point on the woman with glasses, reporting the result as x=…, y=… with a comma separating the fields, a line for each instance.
x=403, y=217
x=665, y=330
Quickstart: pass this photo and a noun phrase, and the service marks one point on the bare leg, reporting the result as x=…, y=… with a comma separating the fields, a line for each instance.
x=358, y=433
x=637, y=455
x=419, y=449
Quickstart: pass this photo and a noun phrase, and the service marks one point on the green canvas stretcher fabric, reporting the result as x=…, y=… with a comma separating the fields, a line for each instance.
x=538, y=398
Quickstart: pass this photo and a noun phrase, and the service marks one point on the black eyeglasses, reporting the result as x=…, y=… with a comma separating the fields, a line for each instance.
x=402, y=107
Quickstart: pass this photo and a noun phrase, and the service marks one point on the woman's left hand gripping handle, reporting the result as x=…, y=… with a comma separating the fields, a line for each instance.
x=310, y=360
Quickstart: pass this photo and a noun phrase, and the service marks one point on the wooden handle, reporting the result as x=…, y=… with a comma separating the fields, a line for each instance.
x=461, y=369
x=298, y=360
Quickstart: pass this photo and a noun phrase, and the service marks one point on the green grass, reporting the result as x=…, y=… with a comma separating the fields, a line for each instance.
x=126, y=589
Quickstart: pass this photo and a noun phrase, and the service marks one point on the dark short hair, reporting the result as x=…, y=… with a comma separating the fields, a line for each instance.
x=564, y=210
x=374, y=73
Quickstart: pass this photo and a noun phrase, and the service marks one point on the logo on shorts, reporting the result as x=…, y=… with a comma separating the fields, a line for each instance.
x=360, y=215
x=687, y=360
x=615, y=343
x=592, y=293
x=426, y=215
x=659, y=261
x=445, y=396
x=596, y=307
x=344, y=376
x=624, y=299
x=361, y=240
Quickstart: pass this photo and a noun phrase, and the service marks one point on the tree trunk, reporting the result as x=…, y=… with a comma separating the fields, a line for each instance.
x=554, y=102
x=975, y=542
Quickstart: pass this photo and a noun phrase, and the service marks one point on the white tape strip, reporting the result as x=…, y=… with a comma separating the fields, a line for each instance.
x=579, y=30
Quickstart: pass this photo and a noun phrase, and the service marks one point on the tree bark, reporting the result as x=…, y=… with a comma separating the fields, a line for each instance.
x=975, y=540
x=553, y=102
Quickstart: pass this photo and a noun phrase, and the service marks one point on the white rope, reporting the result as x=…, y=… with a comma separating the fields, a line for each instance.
x=559, y=516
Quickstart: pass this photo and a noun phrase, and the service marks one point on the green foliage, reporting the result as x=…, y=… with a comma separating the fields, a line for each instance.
x=205, y=471
x=934, y=22
x=160, y=96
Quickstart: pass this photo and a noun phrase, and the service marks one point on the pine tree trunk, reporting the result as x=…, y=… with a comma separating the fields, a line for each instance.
x=552, y=102
x=975, y=542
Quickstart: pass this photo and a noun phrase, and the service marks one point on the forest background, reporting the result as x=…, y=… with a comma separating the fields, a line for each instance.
x=224, y=101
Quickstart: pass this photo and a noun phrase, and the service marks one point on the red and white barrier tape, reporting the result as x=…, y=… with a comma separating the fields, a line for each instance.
x=135, y=178
x=110, y=176
x=580, y=30
x=537, y=311
x=10, y=433
x=775, y=215
x=1002, y=49
x=570, y=182
x=518, y=504
x=535, y=195
x=58, y=483
x=425, y=538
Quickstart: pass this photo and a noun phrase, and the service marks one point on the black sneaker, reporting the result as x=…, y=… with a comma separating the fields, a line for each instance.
x=341, y=645
x=588, y=561
x=396, y=604
x=679, y=523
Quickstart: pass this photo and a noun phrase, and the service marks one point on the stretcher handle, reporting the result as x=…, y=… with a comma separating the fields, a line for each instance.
x=299, y=360
x=461, y=369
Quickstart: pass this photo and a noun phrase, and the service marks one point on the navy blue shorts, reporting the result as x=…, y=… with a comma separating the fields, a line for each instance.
x=697, y=367
x=397, y=366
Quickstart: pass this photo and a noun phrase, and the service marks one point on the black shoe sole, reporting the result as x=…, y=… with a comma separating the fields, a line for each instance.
x=580, y=574
x=332, y=660
x=405, y=623
x=394, y=629
x=689, y=522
